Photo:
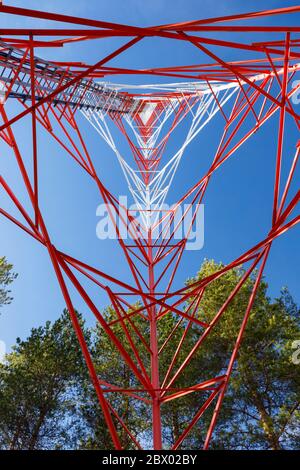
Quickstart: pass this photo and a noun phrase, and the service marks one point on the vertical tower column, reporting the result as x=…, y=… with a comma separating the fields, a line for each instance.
x=156, y=414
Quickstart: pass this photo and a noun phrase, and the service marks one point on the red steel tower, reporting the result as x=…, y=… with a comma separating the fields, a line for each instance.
x=58, y=97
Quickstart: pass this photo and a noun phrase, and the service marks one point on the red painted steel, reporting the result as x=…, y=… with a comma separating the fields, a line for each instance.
x=153, y=259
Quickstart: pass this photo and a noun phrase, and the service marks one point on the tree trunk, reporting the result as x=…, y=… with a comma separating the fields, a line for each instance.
x=267, y=423
x=15, y=437
x=36, y=430
x=175, y=426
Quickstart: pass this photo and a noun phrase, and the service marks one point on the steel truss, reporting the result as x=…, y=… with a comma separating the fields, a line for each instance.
x=246, y=93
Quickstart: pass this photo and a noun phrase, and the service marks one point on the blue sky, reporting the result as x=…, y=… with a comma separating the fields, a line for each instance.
x=238, y=201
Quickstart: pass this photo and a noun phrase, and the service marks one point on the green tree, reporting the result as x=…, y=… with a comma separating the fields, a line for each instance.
x=38, y=389
x=6, y=278
x=261, y=408
x=47, y=400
